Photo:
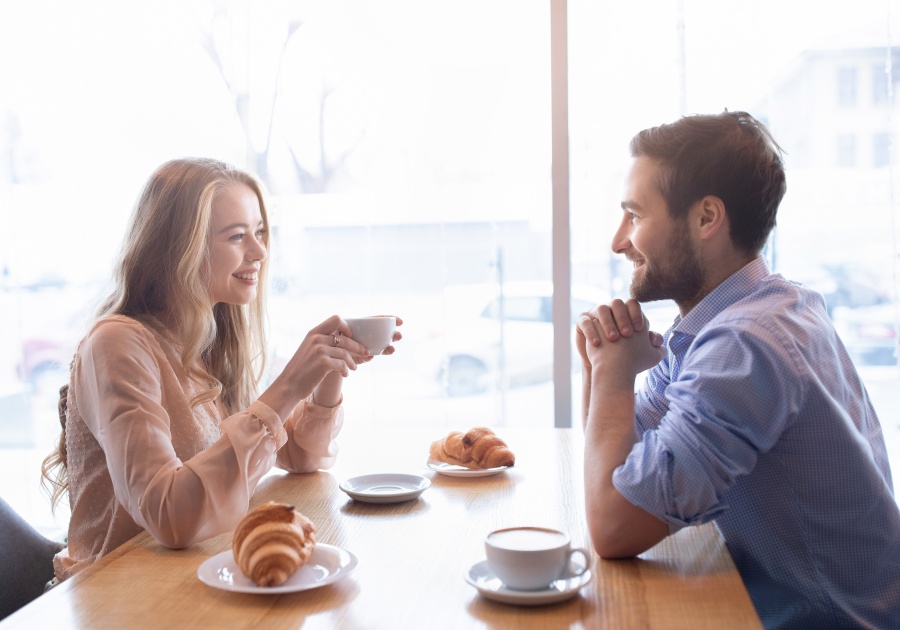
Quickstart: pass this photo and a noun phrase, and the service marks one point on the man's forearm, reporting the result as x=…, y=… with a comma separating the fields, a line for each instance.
x=618, y=528
x=585, y=395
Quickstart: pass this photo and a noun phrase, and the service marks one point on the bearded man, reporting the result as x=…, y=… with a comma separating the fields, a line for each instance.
x=753, y=415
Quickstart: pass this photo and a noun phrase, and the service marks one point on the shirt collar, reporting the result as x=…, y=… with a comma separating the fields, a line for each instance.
x=727, y=293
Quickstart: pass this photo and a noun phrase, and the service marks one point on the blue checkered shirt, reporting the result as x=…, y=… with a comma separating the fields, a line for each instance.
x=757, y=420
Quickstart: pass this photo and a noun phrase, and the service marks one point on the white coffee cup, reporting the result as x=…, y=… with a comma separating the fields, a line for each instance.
x=375, y=333
x=532, y=558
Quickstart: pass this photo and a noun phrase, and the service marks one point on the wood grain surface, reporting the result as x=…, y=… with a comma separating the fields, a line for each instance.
x=413, y=556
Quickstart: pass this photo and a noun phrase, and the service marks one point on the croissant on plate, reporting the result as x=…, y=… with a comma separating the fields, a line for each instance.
x=271, y=542
x=477, y=448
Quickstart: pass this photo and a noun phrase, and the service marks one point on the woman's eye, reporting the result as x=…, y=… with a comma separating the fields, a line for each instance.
x=236, y=237
x=260, y=233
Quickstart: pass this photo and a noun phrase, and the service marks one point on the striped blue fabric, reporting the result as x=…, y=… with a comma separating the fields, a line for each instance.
x=758, y=420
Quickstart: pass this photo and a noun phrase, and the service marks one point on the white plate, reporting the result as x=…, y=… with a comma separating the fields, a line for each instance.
x=452, y=470
x=490, y=587
x=385, y=488
x=326, y=564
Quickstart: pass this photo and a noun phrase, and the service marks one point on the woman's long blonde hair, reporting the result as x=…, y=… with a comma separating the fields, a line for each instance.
x=160, y=278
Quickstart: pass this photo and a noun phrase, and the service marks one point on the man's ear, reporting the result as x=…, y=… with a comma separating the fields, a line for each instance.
x=710, y=217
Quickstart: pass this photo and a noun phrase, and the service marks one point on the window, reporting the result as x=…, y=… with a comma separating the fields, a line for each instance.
x=407, y=150
x=524, y=309
x=846, y=150
x=694, y=57
x=881, y=150
x=846, y=86
x=405, y=147
x=880, y=84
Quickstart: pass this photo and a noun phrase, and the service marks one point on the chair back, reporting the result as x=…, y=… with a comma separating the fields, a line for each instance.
x=26, y=561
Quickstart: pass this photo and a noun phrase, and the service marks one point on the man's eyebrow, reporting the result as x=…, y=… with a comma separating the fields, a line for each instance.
x=630, y=205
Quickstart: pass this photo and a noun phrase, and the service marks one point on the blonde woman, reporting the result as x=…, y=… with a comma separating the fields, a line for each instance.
x=163, y=428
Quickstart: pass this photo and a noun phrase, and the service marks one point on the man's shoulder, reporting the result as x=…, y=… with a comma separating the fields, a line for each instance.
x=774, y=298
x=776, y=318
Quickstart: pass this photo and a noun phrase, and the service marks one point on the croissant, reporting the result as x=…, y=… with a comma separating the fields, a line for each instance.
x=271, y=542
x=478, y=448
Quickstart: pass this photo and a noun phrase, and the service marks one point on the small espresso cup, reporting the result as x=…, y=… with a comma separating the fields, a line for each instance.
x=375, y=333
x=531, y=558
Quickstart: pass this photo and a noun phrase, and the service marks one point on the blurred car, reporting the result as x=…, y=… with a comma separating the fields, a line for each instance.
x=869, y=333
x=45, y=363
x=845, y=284
x=497, y=338
x=40, y=355
x=53, y=323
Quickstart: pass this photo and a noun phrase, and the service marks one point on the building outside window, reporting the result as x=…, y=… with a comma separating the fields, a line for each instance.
x=880, y=84
x=846, y=86
x=846, y=150
x=881, y=150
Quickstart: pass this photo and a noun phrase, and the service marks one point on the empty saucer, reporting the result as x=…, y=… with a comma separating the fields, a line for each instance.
x=386, y=487
x=489, y=585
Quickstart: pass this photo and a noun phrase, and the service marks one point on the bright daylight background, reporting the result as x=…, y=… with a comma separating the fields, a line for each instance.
x=406, y=145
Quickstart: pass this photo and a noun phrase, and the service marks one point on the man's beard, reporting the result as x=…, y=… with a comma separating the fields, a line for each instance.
x=679, y=279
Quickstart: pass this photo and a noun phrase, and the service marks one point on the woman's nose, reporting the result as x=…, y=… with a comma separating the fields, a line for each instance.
x=259, y=251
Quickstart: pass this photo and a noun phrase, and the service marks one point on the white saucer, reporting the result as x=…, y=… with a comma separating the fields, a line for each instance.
x=490, y=587
x=326, y=564
x=385, y=488
x=452, y=470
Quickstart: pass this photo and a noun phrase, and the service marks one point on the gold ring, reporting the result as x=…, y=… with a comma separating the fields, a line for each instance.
x=335, y=341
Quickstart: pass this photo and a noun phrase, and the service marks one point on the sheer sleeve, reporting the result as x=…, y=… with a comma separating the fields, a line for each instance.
x=311, y=445
x=132, y=403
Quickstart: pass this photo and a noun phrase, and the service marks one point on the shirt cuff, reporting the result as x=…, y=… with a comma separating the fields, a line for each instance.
x=270, y=420
x=321, y=411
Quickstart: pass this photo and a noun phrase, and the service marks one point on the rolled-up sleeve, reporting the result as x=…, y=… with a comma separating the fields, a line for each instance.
x=714, y=429
x=312, y=431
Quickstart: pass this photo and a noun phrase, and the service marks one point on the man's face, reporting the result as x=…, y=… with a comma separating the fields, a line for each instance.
x=666, y=264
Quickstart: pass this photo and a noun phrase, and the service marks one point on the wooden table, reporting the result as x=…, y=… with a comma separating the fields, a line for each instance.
x=413, y=556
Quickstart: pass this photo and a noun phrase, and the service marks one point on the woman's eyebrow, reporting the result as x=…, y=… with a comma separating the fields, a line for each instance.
x=246, y=226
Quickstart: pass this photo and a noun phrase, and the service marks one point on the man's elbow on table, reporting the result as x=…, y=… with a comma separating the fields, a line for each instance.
x=625, y=531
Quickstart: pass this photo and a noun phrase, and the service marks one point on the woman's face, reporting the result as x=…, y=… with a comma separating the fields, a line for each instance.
x=236, y=246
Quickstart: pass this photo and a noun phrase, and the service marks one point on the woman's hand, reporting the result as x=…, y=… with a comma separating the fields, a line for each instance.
x=328, y=392
x=327, y=352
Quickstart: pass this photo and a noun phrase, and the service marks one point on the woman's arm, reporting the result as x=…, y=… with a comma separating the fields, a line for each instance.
x=312, y=430
x=133, y=403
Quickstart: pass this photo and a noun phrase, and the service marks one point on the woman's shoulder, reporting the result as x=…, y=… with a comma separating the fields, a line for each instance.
x=120, y=331
x=114, y=325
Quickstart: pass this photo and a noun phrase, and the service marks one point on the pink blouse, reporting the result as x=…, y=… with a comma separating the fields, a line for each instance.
x=140, y=458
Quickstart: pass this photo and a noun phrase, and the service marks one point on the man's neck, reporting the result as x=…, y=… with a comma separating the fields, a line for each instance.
x=715, y=273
